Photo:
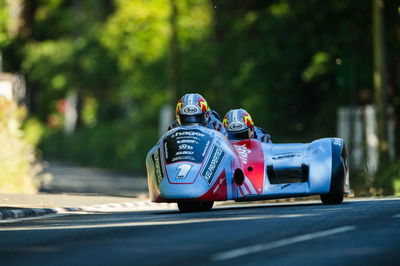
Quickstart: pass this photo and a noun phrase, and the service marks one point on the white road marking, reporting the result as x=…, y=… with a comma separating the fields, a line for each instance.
x=20, y=215
x=280, y=243
x=8, y=221
x=149, y=223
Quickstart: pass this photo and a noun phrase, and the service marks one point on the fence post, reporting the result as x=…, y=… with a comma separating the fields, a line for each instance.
x=372, y=158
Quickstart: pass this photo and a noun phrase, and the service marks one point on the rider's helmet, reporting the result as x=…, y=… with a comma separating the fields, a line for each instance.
x=238, y=124
x=192, y=108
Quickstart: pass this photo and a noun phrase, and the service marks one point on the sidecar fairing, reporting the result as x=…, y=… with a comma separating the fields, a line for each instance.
x=195, y=166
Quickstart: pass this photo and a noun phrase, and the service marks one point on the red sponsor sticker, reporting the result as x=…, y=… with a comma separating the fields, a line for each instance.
x=252, y=157
x=218, y=191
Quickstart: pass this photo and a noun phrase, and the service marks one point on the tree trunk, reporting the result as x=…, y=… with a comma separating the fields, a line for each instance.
x=380, y=80
x=174, y=60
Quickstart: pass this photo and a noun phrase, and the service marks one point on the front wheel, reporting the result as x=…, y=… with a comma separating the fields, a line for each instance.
x=329, y=199
x=195, y=206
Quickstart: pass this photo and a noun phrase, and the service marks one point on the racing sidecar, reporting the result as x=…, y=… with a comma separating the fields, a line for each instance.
x=195, y=166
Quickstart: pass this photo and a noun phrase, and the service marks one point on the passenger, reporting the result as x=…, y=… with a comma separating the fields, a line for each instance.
x=239, y=126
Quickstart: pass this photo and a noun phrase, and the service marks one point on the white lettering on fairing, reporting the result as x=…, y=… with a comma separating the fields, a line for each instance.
x=243, y=152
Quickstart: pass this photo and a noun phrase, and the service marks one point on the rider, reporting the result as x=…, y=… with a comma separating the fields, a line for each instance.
x=192, y=108
x=239, y=125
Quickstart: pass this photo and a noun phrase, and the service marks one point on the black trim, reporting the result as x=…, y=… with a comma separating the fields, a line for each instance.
x=157, y=166
x=246, y=134
x=200, y=119
x=339, y=162
x=288, y=175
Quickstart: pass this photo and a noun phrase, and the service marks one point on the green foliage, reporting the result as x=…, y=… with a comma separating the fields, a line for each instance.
x=34, y=131
x=89, y=112
x=4, y=36
x=290, y=63
x=18, y=165
x=319, y=66
x=50, y=66
x=115, y=145
x=137, y=33
x=388, y=179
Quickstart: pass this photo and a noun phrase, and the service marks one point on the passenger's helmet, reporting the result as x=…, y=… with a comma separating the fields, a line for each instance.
x=238, y=124
x=192, y=108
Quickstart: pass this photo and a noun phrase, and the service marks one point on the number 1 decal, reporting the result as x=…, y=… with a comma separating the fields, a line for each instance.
x=183, y=170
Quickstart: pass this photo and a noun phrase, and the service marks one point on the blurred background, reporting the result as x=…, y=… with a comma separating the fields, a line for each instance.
x=95, y=82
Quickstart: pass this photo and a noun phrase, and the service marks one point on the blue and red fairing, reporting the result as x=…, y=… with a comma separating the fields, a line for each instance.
x=194, y=163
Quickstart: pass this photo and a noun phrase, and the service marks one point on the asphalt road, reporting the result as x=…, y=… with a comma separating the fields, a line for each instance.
x=357, y=232
x=68, y=178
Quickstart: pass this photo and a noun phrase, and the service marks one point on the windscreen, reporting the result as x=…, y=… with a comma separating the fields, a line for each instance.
x=186, y=145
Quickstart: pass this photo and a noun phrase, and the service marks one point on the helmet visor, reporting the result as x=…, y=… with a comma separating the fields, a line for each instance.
x=192, y=119
x=246, y=134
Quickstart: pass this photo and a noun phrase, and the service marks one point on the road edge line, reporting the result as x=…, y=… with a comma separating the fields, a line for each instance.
x=19, y=214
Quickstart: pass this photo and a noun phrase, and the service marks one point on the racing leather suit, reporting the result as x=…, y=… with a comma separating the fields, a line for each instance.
x=261, y=135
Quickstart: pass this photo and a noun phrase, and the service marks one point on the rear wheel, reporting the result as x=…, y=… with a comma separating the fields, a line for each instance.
x=339, y=174
x=329, y=199
x=195, y=206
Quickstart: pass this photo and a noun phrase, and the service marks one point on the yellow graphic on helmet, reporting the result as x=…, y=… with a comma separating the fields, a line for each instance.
x=225, y=121
x=179, y=106
x=247, y=119
x=203, y=105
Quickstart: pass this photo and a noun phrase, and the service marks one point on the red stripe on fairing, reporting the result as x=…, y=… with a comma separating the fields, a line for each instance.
x=218, y=191
x=251, y=155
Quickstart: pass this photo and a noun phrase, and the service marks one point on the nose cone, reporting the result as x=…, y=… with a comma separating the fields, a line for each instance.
x=183, y=181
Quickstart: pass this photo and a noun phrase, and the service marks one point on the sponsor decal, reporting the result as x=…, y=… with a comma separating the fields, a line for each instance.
x=183, y=158
x=285, y=186
x=285, y=156
x=250, y=153
x=235, y=126
x=214, y=161
x=219, y=183
x=184, y=153
x=273, y=187
x=190, y=110
x=187, y=133
x=243, y=152
x=157, y=166
x=185, y=147
x=183, y=170
x=337, y=141
x=166, y=150
x=206, y=148
x=189, y=141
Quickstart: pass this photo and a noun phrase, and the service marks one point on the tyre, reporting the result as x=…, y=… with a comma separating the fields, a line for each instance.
x=339, y=174
x=195, y=206
x=329, y=199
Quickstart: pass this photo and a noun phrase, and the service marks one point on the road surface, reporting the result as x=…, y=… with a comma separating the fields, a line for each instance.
x=357, y=232
x=91, y=181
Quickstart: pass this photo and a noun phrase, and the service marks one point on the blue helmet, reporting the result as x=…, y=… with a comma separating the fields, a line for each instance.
x=238, y=124
x=192, y=108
